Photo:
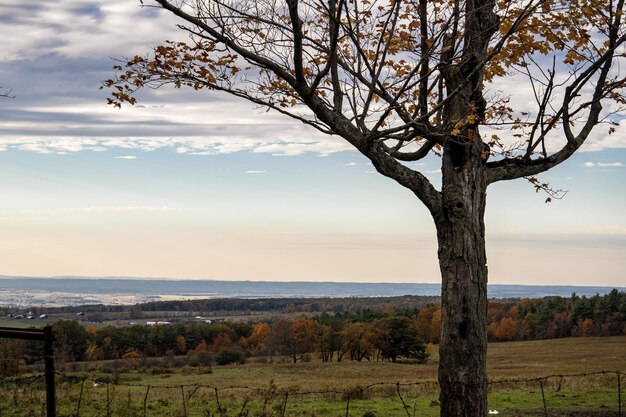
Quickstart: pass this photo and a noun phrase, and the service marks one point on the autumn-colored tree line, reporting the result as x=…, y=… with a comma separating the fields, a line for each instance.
x=331, y=337
x=389, y=334
x=555, y=317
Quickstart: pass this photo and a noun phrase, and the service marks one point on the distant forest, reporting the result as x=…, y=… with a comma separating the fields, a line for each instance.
x=392, y=329
x=216, y=306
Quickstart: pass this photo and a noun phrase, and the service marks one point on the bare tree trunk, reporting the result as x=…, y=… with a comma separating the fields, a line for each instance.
x=463, y=264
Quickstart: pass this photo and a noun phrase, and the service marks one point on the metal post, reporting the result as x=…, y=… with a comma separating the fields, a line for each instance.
x=49, y=371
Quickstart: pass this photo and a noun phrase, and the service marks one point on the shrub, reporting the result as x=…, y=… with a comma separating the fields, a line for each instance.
x=115, y=365
x=74, y=367
x=179, y=361
x=228, y=355
x=154, y=362
x=202, y=358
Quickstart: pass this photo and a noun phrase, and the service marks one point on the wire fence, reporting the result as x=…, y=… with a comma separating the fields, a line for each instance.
x=585, y=394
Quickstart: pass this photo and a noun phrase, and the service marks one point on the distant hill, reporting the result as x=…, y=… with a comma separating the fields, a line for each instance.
x=87, y=290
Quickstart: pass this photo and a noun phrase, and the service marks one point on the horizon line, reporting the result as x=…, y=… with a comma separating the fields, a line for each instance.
x=128, y=278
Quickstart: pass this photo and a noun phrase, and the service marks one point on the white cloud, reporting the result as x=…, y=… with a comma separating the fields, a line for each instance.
x=600, y=139
x=192, y=145
x=604, y=164
x=350, y=164
x=63, y=53
x=34, y=147
x=203, y=153
x=254, y=172
x=126, y=157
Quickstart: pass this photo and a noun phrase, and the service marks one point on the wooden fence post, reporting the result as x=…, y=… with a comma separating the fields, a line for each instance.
x=543, y=397
x=619, y=394
x=48, y=350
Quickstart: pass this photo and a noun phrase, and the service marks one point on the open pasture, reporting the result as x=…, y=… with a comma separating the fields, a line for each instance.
x=339, y=389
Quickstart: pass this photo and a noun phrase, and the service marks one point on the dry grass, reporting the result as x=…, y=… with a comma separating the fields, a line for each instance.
x=593, y=396
x=558, y=356
x=505, y=360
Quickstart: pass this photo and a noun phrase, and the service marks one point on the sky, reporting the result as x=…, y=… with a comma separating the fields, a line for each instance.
x=198, y=185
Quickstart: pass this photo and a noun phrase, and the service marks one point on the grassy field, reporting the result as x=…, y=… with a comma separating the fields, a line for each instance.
x=530, y=359
x=23, y=324
x=357, y=389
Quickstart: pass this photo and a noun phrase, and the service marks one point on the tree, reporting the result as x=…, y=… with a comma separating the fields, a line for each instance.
x=70, y=340
x=280, y=339
x=303, y=340
x=358, y=340
x=402, y=79
x=181, y=344
x=327, y=336
x=291, y=338
x=428, y=323
x=12, y=354
x=505, y=329
x=399, y=339
x=257, y=342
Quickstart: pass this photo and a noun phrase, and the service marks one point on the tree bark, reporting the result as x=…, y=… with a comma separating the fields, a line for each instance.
x=463, y=264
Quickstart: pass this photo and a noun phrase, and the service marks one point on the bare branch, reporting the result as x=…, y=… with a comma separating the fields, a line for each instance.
x=511, y=168
x=6, y=93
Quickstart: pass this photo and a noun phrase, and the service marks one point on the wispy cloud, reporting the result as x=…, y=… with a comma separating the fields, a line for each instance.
x=43, y=65
x=70, y=52
x=126, y=157
x=254, y=172
x=350, y=164
x=603, y=164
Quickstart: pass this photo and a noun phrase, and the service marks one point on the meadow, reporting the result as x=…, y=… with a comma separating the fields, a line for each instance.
x=576, y=386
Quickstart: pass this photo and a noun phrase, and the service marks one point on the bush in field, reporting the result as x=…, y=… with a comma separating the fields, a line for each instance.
x=154, y=362
x=134, y=358
x=201, y=358
x=178, y=361
x=74, y=367
x=228, y=355
x=114, y=366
